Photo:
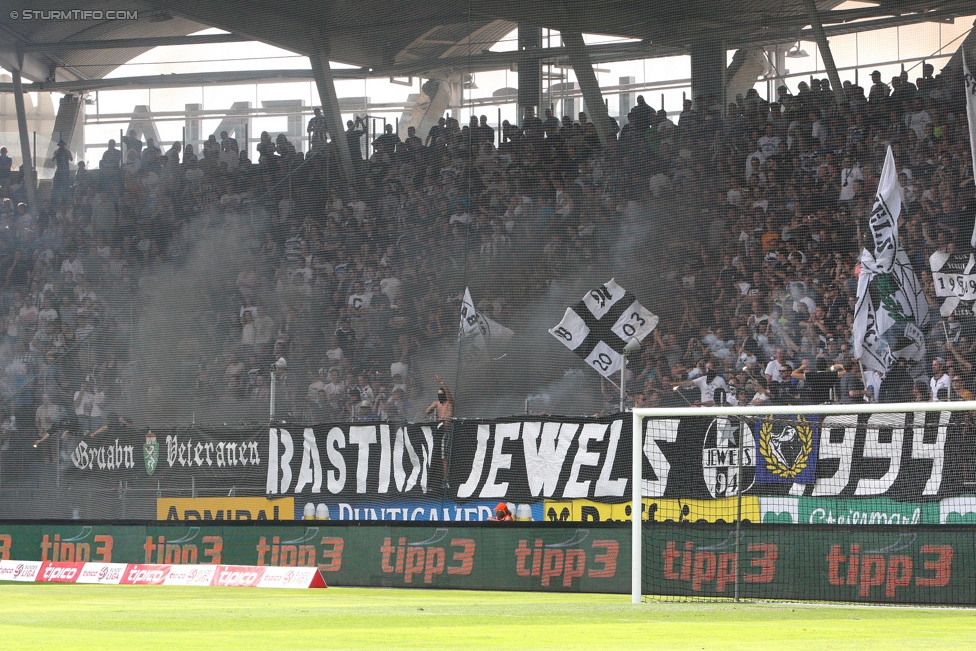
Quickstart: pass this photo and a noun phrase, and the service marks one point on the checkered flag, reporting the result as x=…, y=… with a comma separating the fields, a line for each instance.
x=599, y=326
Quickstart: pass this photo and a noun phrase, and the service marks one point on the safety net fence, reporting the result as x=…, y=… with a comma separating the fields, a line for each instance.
x=429, y=311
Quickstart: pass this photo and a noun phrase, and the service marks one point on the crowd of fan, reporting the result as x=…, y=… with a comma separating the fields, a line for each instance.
x=765, y=295
x=768, y=206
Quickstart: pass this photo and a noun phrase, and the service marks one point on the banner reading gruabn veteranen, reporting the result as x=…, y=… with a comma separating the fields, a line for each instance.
x=171, y=455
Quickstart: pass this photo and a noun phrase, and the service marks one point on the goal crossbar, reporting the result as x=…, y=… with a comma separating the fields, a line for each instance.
x=772, y=410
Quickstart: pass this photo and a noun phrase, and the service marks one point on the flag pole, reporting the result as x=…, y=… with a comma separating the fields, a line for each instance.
x=623, y=384
x=861, y=366
x=632, y=345
x=970, y=87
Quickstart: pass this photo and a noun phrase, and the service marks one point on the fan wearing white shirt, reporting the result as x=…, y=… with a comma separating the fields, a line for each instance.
x=769, y=143
x=72, y=265
x=818, y=131
x=940, y=385
x=851, y=172
x=772, y=371
x=708, y=384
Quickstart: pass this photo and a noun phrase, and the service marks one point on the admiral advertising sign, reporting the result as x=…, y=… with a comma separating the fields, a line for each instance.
x=224, y=508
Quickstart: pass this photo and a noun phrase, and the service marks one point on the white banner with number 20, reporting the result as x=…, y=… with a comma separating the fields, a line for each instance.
x=605, y=359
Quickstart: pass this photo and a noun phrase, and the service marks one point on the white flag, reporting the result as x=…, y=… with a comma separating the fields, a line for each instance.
x=469, y=315
x=572, y=330
x=891, y=311
x=478, y=328
x=971, y=116
x=495, y=334
x=884, y=219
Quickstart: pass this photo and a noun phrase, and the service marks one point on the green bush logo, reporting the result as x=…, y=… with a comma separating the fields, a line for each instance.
x=150, y=453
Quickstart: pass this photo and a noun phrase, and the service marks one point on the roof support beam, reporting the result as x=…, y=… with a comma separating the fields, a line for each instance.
x=588, y=84
x=529, y=71
x=229, y=78
x=325, y=84
x=124, y=43
x=954, y=66
x=31, y=66
x=708, y=75
x=828, y=58
x=30, y=178
x=883, y=23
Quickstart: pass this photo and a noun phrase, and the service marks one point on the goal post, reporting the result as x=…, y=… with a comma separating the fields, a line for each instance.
x=751, y=413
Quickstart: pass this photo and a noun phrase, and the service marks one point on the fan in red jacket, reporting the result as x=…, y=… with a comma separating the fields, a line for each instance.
x=502, y=514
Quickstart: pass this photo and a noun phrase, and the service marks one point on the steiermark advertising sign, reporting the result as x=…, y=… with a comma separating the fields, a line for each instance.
x=836, y=511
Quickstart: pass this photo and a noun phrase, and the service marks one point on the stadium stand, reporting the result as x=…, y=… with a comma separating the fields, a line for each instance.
x=351, y=282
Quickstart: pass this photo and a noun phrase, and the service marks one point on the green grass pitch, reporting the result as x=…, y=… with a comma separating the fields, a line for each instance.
x=120, y=618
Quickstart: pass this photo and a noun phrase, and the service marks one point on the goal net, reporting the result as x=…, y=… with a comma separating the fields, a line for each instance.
x=827, y=502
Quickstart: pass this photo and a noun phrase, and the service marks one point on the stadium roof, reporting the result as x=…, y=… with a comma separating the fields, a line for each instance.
x=421, y=37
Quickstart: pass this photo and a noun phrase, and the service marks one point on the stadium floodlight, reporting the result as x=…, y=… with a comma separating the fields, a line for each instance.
x=797, y=52
x=660, y=424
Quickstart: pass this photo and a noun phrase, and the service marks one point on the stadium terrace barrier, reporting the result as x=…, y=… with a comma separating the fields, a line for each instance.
x=226, y=576
x=490, y=556
x=875, y=564
x=555, y=468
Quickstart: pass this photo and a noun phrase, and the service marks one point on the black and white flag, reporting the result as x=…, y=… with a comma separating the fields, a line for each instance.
x=891, y=312
x=954, y=277
x=599, y=326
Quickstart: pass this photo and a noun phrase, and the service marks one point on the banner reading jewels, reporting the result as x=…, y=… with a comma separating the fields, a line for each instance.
x=901, y=457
